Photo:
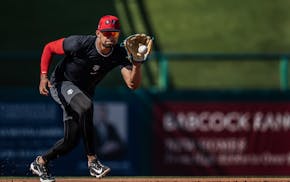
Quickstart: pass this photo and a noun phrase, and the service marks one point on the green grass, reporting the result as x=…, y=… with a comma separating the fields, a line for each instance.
x=224, y=26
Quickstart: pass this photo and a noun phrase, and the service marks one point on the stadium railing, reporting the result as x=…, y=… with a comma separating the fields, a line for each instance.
x=164, y=58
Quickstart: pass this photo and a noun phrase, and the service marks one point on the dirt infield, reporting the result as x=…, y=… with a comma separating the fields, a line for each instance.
x=154, y=179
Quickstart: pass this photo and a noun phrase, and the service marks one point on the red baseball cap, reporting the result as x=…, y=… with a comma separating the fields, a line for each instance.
x=109, y=23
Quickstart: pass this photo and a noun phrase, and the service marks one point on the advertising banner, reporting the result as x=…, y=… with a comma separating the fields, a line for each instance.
x=221, y=138
x=29, y=129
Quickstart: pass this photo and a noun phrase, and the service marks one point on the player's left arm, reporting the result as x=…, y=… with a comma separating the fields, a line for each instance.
x=132, y=75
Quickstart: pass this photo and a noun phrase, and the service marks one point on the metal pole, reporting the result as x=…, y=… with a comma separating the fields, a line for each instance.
x=284, y=73
x=163, y=73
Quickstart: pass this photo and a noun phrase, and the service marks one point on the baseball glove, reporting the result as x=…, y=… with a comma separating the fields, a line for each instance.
x=132, y=44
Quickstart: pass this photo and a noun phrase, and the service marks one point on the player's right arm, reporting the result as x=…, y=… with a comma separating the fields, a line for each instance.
x=54, y=47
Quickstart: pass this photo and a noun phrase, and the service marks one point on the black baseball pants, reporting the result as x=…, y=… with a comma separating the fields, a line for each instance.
x=77, y=117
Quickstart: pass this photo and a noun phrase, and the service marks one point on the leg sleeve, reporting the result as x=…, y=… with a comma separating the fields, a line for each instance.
x=67, y=143
x=83, y=106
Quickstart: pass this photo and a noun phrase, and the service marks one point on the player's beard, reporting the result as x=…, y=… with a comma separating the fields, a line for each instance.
x=108, y=44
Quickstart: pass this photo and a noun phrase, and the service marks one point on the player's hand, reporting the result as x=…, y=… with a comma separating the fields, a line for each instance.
x=44, y=83
x=137, y=64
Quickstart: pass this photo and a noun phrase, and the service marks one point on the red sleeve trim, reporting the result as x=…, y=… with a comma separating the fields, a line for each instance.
x=54, y=47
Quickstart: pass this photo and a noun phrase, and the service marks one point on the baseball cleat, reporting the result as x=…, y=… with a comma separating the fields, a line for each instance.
x=41, y=171
x=97, y=169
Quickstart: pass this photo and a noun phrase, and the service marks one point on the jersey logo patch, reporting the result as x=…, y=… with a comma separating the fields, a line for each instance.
x=95, y=69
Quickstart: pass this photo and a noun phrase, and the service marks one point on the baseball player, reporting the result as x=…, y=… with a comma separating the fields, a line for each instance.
x=87, y=59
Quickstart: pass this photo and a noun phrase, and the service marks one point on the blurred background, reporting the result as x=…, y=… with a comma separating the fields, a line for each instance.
x=214, y=98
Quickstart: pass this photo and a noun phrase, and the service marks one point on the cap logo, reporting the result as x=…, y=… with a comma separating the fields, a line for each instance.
x=113, y=22
x=109, y=23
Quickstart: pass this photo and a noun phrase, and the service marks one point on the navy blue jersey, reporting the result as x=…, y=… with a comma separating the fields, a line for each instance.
x=83, y=65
